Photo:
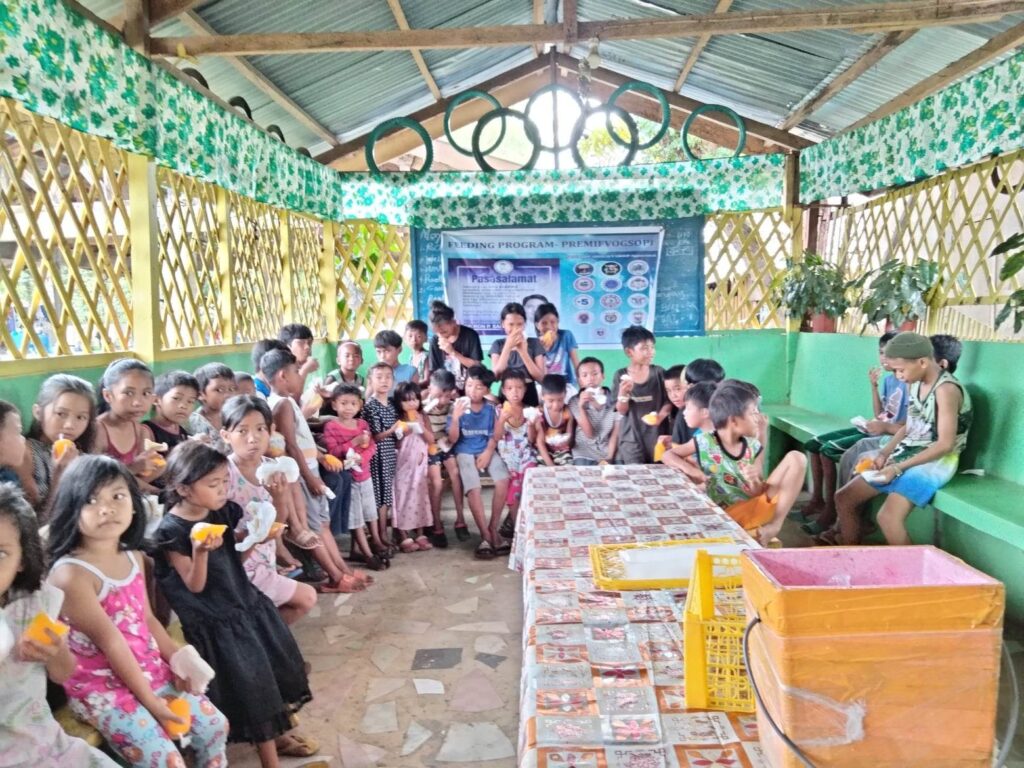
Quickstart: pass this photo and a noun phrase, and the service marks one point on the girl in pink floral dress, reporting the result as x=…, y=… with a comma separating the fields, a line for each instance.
x=123, y=680
x=412, y=497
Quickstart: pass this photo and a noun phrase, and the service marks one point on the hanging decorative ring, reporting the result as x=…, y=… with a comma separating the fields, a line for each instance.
x=239, y=103
x=577, y=134
x=466, y=96
x=399, y=122
x=684, y=134
x=528, y=127
x=196, y=75
x=666, y=114
x=275, y=129
x=552, y=88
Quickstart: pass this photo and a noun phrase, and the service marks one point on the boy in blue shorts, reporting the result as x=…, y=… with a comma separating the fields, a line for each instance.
x=471, y=431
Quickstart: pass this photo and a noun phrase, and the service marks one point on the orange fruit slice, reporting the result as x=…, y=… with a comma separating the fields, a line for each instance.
x=36, y=630
x=180, y=708
x=60, y=446
x=202, y=531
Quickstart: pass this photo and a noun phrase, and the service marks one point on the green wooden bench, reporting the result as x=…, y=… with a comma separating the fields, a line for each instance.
x=980, y=519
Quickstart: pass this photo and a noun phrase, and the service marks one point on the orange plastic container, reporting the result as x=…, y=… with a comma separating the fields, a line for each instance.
x=875, y=656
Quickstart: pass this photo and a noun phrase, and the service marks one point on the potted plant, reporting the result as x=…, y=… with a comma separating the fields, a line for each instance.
x=898, y=293
x=814, y=291
x=1013, y=250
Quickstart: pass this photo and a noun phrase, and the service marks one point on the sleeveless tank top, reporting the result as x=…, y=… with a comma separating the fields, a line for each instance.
x=126, y=457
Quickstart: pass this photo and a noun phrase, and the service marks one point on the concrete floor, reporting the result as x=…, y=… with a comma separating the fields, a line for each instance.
x=408, y=610
x=404, y=611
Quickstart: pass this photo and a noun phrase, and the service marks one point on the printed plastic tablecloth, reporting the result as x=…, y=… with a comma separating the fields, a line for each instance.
x=602, y=680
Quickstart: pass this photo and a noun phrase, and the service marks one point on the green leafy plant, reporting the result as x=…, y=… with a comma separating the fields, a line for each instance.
x=1013, y=248
x=813, y=286
x=898, y=291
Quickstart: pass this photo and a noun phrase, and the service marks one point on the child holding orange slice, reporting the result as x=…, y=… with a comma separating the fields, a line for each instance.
x=128, y=395
x=124, y=656
x=411, y=514
x=259, y=679
x=28, y=657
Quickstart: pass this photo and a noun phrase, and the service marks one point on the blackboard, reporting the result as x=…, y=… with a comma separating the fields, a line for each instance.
x=680, y=302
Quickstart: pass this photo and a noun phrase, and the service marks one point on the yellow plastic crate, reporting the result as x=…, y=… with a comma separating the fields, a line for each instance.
x=713, y=624
x=609, y=571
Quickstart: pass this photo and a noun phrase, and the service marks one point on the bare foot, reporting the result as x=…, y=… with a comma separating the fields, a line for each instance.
x=813, y=508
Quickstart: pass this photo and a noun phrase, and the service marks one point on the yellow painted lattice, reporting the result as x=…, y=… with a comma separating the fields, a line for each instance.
x=189, y=237
x=955, y=219
x=304, y=254
x=743, y=253
x=65, y=285
x=374, y=269
x=256, y=268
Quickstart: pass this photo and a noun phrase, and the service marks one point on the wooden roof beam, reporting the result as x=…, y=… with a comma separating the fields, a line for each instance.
x=431, y=112
x=162, y=10
x=911, y=14
x=1002, y=43
x=698, y=48
x=421, y=64
x=767, y=133
x=538, y=18
x=876, y=53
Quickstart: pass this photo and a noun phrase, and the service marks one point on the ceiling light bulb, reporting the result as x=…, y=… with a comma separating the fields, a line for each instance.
x=594, y=59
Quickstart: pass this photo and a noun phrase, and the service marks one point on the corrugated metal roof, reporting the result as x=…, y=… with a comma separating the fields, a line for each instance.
x=761, y=76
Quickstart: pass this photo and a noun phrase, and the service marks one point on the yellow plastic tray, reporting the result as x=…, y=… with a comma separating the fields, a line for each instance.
x=609, y=572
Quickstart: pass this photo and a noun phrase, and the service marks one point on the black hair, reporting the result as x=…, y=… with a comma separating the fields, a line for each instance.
x=188, y=463
x=348, y=342
x=552, y=384
x=700, y=393
x=675, y=372
x=751, y=388
x=6, y=409
x=15, y=508
x=77, y=485
x=512, y=374
x=481, y=374
x=635, y=334
x=443, y=379
x=416, y=325
x=207, y=373
x=948, y=348
x=407, y=390
x=513, y=308
x=387, y=339
x=440, y=313
x=704, y=369
x=593, y=360
x=886, y=337
x=116, y=371
x=275, y=361
x=240, y=406
x=545, y=309
x=346, y=389
x=294, y=331
x=261, y=347
x=55, y=386
x=378, y=367
x=241, y=376
x=165, y=382
x=729, y=401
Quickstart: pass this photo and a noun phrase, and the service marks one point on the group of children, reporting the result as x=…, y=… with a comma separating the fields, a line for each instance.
x=257, y=474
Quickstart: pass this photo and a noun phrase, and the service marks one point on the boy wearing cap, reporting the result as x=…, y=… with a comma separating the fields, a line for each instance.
x=923, y=455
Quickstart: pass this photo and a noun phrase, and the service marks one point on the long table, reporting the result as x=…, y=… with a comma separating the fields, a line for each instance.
x=602, y=680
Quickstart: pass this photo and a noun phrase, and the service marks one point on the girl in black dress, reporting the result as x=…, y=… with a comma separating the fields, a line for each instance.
x=260, y=679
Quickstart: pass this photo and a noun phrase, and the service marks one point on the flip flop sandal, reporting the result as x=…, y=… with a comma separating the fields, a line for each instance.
x=503, y=549
x=408, y=545
x=462, y=532
x=508, y=528
x=362, y=576
x=376, y=563
x=288, y=572
x=813, y=528
x=297, y=745
x=423, y=543
x=303, y=540
x=484, y=551
x=439, y=540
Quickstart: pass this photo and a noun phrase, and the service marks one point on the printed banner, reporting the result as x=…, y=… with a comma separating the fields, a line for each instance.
x=602, y=279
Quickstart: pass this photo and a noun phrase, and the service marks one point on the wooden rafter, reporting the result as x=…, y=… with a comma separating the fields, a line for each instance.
x=570, y=24
x=136, y=23
x=876, y=53
x=767, y=133
x=1002, y=43
x=162, y=10
x=911, y=14
x=538, y=18
x=698, y=47
x=438, y=108
x=265, y=84
x=421, y=64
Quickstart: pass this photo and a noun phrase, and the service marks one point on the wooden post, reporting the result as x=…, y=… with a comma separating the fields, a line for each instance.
x=226, y=265
x=329, y=281
x=794, y=215
x=287, y=270
x=145, y=256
